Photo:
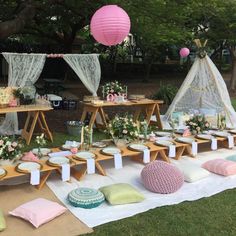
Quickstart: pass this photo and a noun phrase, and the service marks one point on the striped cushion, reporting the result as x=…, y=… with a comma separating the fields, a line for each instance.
x=162, y=177
x=86, y=198
x=221, y=167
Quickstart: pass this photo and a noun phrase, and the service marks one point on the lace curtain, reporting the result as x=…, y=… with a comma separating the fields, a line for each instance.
x=87, y=68
x=22, y=69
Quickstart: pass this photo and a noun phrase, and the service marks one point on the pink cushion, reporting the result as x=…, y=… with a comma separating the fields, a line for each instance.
x=221, y=167
x=162, y=177
x=38, y=211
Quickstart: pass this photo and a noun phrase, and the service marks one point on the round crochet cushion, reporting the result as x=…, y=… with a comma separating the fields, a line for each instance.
x=86, y=198
x=162, y=177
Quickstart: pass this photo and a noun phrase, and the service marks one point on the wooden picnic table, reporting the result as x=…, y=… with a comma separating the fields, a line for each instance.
x=147, y=106
x=79, y=167
x=35, y=113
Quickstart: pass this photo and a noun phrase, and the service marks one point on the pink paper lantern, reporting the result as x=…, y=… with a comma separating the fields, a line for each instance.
x=184, y=52
x=110, y=25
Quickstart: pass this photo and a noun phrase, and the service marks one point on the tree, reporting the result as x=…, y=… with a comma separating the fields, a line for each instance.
x=16, y=14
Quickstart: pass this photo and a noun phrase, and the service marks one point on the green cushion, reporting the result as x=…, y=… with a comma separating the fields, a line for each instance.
x=85, y=198
x=231, y=158
x=121, y=194
x=2, y=222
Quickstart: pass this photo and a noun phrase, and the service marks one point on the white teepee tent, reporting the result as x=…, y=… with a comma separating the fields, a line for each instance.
x=204, y=87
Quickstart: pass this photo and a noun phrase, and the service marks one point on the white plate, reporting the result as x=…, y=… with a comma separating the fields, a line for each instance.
x=99, y=144
x=221, y=134
x=179, y=131
x=204, y=136
x=164, y=143
x=58, y=160
x=66, y=147
x=85, y=155
x=138, y=147
x=185, y=140
x=44, y=151
x=232, y=131
x=2, y=171
x=28, y=166
x=163, y=134
x=111, y=150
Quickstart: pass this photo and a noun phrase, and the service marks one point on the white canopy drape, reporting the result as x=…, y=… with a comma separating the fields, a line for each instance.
x=22, y=69
x=87, y=68
x=203, y=87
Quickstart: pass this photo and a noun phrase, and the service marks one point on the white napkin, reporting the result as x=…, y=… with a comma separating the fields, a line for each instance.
x=90, y=166
x=118, y=161
x=231, y=141
x=146, y=155
x=35, y=177
x=60, y=154
x=172, y=151
x=214, y=144
x=194, y=148
x=65, y=172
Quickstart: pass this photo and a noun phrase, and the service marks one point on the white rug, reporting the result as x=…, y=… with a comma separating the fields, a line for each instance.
x=131, y=174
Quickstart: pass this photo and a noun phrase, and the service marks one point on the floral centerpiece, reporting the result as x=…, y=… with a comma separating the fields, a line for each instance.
x=114, y=88
x=9, y=149
x=197, y=124
x=123, y=128
x=41, y=141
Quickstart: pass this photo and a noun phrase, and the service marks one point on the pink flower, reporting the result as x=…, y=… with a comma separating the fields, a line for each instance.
x=1, y=142
x=14, y=144
x=10, y=149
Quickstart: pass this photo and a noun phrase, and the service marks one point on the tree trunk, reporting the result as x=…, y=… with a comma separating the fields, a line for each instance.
x=8, y=28
x=148, y=71
x=233, y=73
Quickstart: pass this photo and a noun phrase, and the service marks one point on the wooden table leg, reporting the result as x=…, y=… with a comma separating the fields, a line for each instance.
x=188, y=149
x=149, y=111
x=44, y=126
x=158, y=116
x=28, y=130
x=79, y=174
x=179, y=152
x=93, y=117
x=100, y=168
x=153, y=156
x=43, y=179
x=84, y=114
x=103, y=116
x=164, y=156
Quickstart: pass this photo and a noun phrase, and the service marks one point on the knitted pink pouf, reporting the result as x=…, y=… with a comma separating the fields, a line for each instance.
x=162, y=177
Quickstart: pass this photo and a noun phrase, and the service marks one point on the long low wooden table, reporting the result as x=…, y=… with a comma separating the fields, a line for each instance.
x=35, y=114
x=79, y=167
x=146, y=106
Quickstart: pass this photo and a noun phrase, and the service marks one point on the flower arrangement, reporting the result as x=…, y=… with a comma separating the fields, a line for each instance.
x=41, y=141
x=114, y=88
x=123, y=128
x=9, y=149
x=197, y=123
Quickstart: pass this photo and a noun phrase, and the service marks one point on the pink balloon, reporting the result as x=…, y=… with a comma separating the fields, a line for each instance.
x=184, y=52
x=110, y=25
